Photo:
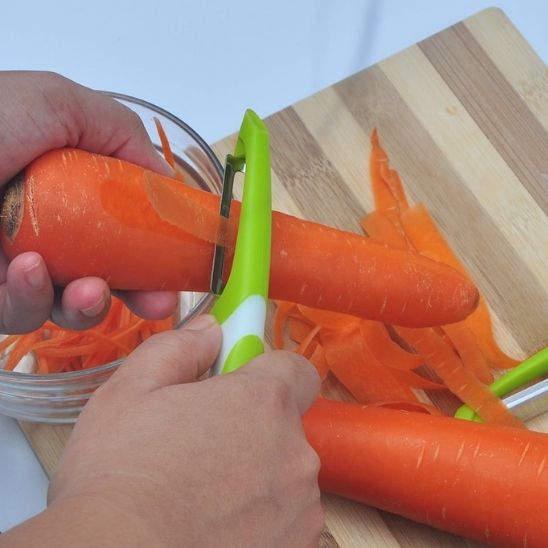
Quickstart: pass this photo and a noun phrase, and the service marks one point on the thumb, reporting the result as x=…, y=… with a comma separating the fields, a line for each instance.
x=171, y=357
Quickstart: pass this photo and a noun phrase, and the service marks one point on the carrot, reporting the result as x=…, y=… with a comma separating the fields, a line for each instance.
x=280, y=317
x=367, y=357
x=462, y=382
x=387, y=187
x=307, y=346
x=380, y=228
x=166, y=147
x=298, y=329
x=357, y=369
x=319, y=361
x=168, y=153
x=466, y=345
x=428, y=240
x=92, y=215
x=361, y=354
x=385, y=349
x=480, y=481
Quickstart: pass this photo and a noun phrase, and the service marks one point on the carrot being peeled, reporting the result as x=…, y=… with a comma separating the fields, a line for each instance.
x=88, y=214
x=480, y=481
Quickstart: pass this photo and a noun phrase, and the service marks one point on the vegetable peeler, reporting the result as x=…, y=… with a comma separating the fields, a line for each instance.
x=526, y=403
x=241, y=304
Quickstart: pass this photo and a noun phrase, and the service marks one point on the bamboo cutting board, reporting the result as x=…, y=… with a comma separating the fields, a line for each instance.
x=463, y=116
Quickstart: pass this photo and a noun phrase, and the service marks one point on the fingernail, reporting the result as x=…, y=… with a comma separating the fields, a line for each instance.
x=201, y=323
x=35, y=276
x=95, y=309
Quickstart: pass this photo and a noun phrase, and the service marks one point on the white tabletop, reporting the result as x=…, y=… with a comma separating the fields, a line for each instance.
x=207, y=62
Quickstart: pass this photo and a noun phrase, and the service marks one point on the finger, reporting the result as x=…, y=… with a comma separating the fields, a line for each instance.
x=27, y=295
x=113, y=129
x=152, y=305
x=41, y=111
x=171, y=357
x=82, y=304
x=293, y=371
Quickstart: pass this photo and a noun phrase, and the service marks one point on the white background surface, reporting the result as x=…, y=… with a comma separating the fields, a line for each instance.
x=206, y=62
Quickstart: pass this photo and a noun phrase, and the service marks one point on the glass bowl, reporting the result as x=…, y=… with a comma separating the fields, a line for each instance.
x=60, y=397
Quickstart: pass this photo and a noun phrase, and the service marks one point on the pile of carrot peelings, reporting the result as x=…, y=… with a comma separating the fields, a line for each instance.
x=53, y=349
x=391, y=366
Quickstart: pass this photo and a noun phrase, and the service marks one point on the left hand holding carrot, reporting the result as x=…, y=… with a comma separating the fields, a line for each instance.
x=42, y=111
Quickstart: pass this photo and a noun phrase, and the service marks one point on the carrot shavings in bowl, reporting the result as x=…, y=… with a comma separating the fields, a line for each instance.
x=58, y=350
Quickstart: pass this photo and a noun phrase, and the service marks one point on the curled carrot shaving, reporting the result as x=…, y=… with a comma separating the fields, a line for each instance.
x=385, y=349
x=282, y=311
x=361, y=373
x=409, y=406
x=7, y=342
x=319, y=361
x=166, y=149
x=298, y=328
x=307, y=341
x=466, y=345
x=462, y=382
x=387, y=187
x=379, y=227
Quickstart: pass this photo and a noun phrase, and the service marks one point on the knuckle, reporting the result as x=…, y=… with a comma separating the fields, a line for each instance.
x=298, y=366
x=275, y=394
x=52, y=81
x=313, y=463
x=309, y=464
x=172, y=340
x=133, y=120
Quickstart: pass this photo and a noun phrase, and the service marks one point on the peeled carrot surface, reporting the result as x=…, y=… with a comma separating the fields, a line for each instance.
x=92, y=215
x=484, y=482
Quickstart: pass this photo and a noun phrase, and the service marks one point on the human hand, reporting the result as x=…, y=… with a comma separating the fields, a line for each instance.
x=42, y=111
x=170, y=462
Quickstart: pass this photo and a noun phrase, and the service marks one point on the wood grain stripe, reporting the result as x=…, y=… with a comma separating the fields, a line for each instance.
x=430, y=177
x=305, y=171
x=341, y=139
x=355, y=525
x=494, y=105
x=47, y=442
x=410, y=534
x=327, y=540
x=514, y=57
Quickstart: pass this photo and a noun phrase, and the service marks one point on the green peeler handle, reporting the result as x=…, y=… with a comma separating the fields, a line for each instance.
x=241, y=307
x=527, y=371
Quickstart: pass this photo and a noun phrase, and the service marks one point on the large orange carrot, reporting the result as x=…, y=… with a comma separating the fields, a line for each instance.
x=93, y=215
x=484, y=482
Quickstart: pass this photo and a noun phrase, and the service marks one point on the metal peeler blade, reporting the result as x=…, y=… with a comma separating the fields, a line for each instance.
x=232, y=166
